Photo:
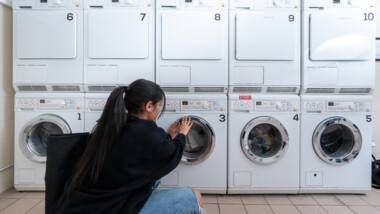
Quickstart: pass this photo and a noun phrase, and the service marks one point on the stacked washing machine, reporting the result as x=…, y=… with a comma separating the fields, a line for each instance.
x=48, y=80
x=119, y=48
x=119, y=43
x=264, y=106
x=338, y=79
x=63, y=49
x=192, y=67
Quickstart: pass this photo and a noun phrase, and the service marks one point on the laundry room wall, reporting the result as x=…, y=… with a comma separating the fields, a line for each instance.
x=376, y=102
x=6, y=97
x=376, y=107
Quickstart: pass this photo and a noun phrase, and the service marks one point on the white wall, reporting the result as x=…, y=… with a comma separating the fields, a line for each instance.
x=376, y=99
x=376, y=108
x=6, y=2
x=6, y=99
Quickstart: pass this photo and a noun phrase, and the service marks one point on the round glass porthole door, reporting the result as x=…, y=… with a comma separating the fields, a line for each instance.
x=200, y=142
x=337, y=141
x=34, y=137
x=264, y=140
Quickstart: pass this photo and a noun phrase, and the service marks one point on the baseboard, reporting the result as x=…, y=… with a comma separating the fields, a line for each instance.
x=6, y=179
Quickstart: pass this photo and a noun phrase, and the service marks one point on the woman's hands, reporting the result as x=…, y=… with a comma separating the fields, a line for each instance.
x=185, y=124
x=182, y=126
x=173, y=129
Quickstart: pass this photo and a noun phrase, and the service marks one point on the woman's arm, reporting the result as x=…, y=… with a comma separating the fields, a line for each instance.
x=167, y=153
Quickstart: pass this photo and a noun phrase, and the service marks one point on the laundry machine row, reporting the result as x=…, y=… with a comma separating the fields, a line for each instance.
x=95, y=45
x=306, y=144
x=268, y=143
x=252, y=143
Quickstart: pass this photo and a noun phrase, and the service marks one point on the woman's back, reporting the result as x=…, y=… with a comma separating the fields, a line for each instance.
x=126, y=154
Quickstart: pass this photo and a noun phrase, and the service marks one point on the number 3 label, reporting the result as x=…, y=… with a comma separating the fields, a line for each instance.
x=222, y=118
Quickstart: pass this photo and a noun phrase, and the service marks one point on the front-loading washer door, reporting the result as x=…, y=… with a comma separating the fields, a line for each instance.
x=118, y=34
x=200, y=142
x=340, y=36
x=264, y=140
x=34, y=137
x=45, y=34
x=266, y=36
x=337, y=141
x=193, y=35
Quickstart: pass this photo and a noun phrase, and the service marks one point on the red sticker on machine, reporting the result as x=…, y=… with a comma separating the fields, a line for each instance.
x=245, y=97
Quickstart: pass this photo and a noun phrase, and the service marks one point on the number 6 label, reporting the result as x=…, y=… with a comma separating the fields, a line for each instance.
x=70, y=16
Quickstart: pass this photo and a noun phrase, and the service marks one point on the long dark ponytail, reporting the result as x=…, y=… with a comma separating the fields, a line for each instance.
x=122, y=100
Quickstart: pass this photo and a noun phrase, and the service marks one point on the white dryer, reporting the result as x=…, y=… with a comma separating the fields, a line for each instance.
x=119, y=42
x=263, y=144
x=204, y=163
x=48, y=45
x=264, y=45
x=336, y=144
x=36, y=117
x=94, y=105
x=338, y=58
x=192, y=43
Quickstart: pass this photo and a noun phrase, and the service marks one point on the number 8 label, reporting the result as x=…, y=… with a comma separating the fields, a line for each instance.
x=217, y=16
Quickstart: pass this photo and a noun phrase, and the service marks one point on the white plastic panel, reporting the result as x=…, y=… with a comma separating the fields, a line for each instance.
x=192, y=35
x=248, y=75
x=322, y=76
x=340, y=36
x=45, y=34
x=174, y=75
x=118, y=34
x=265, y=36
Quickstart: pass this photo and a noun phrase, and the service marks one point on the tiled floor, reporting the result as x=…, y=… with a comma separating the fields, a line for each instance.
x=12, y=202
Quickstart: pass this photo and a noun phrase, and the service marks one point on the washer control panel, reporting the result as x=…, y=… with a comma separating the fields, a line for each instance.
x=48, y=104
x=257, y=5
x=337, y=106
x=95, y=104
x=119, y=3
x=192, y=3
x=338, y=3
x=46, y=4
x=195, y=105
x=247, y=104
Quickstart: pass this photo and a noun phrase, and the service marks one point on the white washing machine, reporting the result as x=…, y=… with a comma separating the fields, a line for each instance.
x=263, y=144
x=94, y=105
x=48, y=45
x=192, y=43
x=36, y=117
x=204, y=163
x=336, y=144
x=119, y=42
x=264, y=45
x=337, y=58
